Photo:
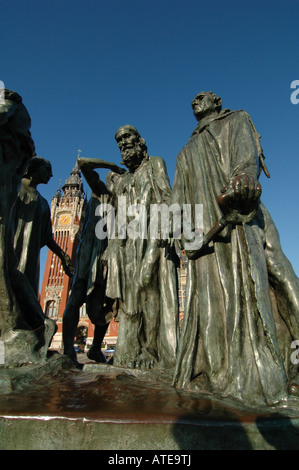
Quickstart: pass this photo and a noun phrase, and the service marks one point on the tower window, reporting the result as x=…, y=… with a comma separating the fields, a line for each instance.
x=83, y=310
x=51, y=309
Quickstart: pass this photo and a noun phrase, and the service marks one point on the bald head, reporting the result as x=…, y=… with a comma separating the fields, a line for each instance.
x=205, y=103
x=126, y=129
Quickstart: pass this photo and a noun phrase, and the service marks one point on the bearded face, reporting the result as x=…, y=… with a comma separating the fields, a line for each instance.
x=132, y=157
x=132, y=148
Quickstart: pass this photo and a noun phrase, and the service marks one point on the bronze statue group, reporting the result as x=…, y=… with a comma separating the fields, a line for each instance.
x=242, y=295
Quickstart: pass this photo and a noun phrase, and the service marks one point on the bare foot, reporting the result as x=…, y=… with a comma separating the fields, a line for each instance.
x=123, y=360
x=145, y=361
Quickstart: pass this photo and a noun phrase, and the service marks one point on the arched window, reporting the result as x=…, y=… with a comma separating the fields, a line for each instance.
x=83, y=310
x=51, y=309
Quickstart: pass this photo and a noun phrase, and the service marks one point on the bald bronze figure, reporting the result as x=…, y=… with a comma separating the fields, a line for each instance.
x=242, y=295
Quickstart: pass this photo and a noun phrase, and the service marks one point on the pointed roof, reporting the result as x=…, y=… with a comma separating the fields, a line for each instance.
x=74, y=182
x=75, y=178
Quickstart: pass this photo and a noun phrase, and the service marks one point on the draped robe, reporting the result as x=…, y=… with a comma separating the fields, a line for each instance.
x=241, y=310
x=125, y=258
x=33, y=230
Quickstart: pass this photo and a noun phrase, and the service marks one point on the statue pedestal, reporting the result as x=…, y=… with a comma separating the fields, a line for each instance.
x=116, y=409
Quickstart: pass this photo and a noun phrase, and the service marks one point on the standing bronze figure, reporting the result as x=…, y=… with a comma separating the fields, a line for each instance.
x=89, y=281
x=25, y=331
x=141, y=275
x=141, y=270
x=32, y=220
x=242, y=296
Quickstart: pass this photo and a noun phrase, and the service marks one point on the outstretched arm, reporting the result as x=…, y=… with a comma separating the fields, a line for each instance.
x=88, y=165
x=93, y=163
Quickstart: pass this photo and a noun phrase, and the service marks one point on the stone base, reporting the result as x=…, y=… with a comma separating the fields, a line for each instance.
x=108, y=408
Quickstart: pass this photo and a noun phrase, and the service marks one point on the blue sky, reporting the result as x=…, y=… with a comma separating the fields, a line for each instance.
x=84, y=68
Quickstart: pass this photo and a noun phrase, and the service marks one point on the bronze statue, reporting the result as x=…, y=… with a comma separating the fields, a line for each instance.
x=33, y=228
x=25, y=331
x=89, y=282
x=242, y=295
x=141, y=271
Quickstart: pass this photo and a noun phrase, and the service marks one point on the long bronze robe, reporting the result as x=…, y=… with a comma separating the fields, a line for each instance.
x=149, y=184
x=33, y=230
x=241, y=310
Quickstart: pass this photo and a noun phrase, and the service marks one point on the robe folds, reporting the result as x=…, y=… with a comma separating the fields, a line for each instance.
x=128, y=259
x=242, y=296
x=90, y=249
x=89, y=277
x=32, y=231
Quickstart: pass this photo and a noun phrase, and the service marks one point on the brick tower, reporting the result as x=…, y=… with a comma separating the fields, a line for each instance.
x=67, y=211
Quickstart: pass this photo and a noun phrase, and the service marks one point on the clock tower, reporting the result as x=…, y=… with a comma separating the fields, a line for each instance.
x=67, y=213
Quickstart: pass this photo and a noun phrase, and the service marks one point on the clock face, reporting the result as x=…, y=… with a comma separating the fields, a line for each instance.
x=64, y=220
